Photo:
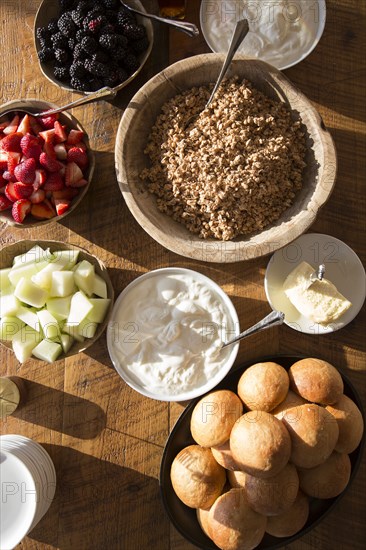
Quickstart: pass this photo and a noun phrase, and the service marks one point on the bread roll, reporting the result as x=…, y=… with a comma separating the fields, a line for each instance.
x=292, y=521
x=196, y=477
x=260, y=444
x=263, y=386
x=350, y=424
x=291, y=400
x=232, y=523
x=327, y=480
x=224, y=457
x=237, y=479
x=314, y=434
x=275, y=495
x=214, y=416
x=202, y=518
x=316, y=380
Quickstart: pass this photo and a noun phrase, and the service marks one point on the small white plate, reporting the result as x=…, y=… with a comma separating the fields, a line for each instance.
x=342, y=266
x=218, y=20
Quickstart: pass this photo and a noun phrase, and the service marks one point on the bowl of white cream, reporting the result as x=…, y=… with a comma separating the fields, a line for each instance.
x=281, y=32
x=166, y=332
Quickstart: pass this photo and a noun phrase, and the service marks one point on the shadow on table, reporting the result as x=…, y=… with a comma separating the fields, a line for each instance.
x=61, y=411
x=101, y=505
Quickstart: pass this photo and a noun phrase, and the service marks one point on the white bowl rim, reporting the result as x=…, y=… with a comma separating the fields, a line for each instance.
x=185, y=396
x=318, y=35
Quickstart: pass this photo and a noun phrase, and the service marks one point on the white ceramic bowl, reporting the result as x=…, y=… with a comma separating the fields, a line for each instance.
x=117, y=324
x=342, y=267
x=310, y=16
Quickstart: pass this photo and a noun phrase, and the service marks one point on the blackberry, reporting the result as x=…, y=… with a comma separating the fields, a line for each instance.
x=83, y=6
x=80, y=34
x=61, y=72
x=67, y=25
x=78, y=84
x=45, y=43
x=77, y=70
x=119, y=54
x=111, y=4
x=124, y=17
x=79, y=53
x=96, y=69
x=101, y=57
x=52, y=26
x=130, y=63
x=65, y=5
x=59, y=41
x=94, y=24
x=71, y=43
x=112, y=41
x=139, y=46
x=108, y=29
x=42, y=33
x=89, y=45
x=133, y=31
x=61, y=55
x=77, y=16
x=95, y=84
x=46, y=54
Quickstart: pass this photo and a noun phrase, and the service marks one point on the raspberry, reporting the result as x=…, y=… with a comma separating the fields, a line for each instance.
x=97, y=69
x=46, y=54
x=67, y=25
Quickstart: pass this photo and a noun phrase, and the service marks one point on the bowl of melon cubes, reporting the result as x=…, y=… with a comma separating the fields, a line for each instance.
x=55, y=300
x=46, y=164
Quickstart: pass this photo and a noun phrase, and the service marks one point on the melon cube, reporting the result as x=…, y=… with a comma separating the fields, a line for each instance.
x=44, y=277
x=8, y=305
x=18, y=272
x=29, y=317
x=4, y=279
x=84, y=277
x=87, y=328
x=70, y=255
x=47, y=350
x=100, y=307
x=59, y=307
x=49, y=324
x=24, y=341
x=28, y=292
x=66, y=341
x=80, y=308
x=73, y=330
x=35, y=255
x=100, y=287
x=9, y=326
x=62, y=284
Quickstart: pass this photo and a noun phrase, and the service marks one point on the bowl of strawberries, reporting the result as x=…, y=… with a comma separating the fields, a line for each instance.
x=46, y=164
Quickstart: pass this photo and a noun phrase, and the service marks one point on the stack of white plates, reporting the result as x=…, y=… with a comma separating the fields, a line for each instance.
x=28, y=483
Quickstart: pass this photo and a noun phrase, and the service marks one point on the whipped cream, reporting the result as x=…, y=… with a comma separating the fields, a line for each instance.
x=282, y=32
x=167, y=332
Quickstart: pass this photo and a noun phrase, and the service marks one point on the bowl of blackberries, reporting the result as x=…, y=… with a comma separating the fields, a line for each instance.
x=85, y=45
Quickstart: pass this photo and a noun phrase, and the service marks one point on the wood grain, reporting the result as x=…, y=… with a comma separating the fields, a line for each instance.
x=106, y=440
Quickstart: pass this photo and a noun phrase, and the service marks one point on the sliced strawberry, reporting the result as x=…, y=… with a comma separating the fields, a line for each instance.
x=48, y=135
x=62, y=205
x=75, y=136
x=48, y=121
x=13, y=160
x=73, y=174
x=11, y=142
x=3, y=160
x=35, y=125
x=51, y=164
x=49, y=149
x=5, y=203
x=24, y=126
x=7, y=176
x=43, y=210
x=60, y=132
x=37, y=196
x=39, y=179
x=66, y=193
x=10, y=192
x=3, y=124
x=20, y=209
x=79, y=156
x=54, y=182
x=60, y=151
x=26, y=171
x=80, y=183
x=12, y=126
x=22, y=190
x=30, y=146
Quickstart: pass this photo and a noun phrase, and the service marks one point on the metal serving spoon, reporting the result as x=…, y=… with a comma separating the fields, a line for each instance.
x=188, y=28
x=271, y=320
x=240, y=32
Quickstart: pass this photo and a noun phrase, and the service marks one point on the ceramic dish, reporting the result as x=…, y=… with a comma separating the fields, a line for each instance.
x=184, y=519
x=49, y=9
x=71, y=122
x=6, y=257
x=282, y=20
x=135, y=126
x=342, y=267
x=130, y=331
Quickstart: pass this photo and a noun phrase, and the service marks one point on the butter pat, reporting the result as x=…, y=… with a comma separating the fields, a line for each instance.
x=318, y=300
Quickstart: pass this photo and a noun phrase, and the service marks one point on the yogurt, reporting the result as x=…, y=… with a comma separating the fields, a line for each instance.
x=166, y=332
x=282, y=32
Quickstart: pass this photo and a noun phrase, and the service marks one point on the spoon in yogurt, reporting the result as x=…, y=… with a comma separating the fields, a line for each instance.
x=271, y=320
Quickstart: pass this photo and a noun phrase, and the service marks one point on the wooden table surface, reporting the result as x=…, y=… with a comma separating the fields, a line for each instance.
x=106, y=440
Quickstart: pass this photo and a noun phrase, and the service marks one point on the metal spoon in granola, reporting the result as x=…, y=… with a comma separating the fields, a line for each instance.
x=240, y=32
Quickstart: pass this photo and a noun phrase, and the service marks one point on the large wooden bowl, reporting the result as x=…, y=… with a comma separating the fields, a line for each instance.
x=134, y=129
x=6, y=259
